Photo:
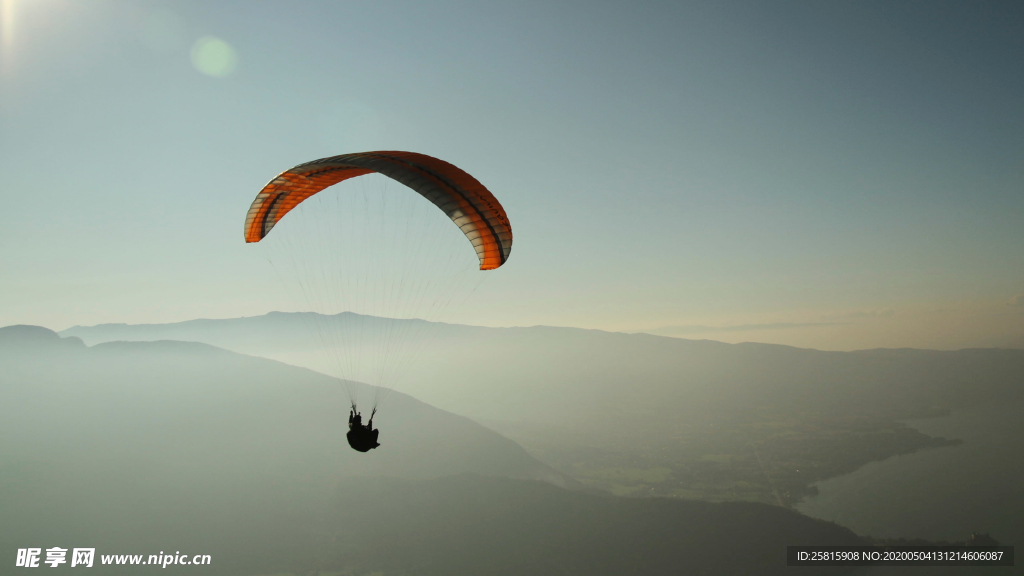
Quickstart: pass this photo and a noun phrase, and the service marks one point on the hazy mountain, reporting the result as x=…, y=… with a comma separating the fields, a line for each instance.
x=22, y=337
x=649, y=415
x=140, y=448
x=691, y=330
x=176, y=408
x=586, y=379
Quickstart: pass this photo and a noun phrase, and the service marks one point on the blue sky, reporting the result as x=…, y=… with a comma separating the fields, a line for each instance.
x=843, y=174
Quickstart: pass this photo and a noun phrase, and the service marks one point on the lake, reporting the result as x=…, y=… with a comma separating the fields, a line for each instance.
x=940, y=493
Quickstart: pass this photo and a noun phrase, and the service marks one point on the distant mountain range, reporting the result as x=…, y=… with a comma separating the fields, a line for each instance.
x=644, y=414
x=145, y=447
x=103, y=400
x=698, y=329
x=584, y=379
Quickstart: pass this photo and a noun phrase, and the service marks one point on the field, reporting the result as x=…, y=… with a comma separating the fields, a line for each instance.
x=770, y=455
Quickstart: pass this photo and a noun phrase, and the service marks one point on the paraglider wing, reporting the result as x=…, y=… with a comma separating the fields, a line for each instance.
x=465, y=200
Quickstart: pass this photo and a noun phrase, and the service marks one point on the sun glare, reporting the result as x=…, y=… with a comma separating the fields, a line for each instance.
x=6, y=24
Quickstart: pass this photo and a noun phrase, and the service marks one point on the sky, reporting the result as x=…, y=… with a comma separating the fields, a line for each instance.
x=833, y=175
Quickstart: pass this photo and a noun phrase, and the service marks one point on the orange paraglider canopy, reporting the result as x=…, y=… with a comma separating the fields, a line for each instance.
x=466, y=201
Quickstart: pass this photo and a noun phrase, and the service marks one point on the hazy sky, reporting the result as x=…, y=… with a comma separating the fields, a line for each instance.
x=826, y=174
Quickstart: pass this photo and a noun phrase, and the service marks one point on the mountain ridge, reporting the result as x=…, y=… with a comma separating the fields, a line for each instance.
x=635, y=413
x=112, y=370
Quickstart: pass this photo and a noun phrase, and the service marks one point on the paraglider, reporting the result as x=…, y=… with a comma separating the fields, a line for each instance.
x=375, y=266
x=362, y=438
x=465, y=200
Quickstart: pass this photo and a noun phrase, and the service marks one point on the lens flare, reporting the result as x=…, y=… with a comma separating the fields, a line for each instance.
x=214, y=57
